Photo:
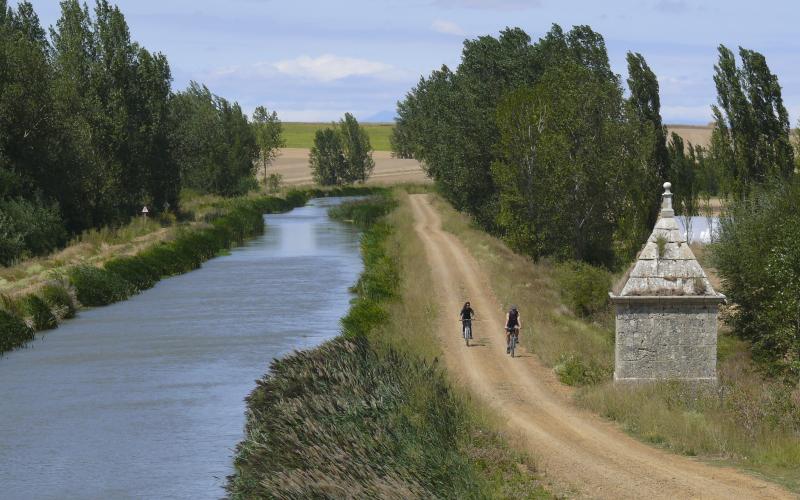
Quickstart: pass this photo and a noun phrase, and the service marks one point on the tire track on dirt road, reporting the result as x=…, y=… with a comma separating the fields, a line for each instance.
x=574, y=447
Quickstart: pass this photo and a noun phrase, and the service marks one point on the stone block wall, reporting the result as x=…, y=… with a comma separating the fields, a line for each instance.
x=666, y=339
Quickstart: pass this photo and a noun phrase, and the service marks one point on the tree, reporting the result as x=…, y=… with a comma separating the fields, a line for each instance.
x=327, y=158
x=758, y=258
x=682, y=176
x=356, y=149
x=751, y=136
x=213, y=142
x=269, y=137
x=562, y=173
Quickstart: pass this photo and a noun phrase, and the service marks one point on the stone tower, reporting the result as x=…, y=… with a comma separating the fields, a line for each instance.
x=666, y=312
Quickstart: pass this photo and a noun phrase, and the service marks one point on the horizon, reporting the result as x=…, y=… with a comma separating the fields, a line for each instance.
x=312, y=62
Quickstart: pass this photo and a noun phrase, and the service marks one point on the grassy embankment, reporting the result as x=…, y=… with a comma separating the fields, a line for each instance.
x=748, y=420
x=106, y=266
x=371, y=414
x=301, y=135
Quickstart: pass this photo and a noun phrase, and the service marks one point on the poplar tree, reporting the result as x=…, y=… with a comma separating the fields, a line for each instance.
x=751, y=137
x=356, y=149
x=269, y=137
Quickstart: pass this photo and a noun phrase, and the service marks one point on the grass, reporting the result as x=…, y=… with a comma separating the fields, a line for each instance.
x=301, y=135
x=376, y=399
x=748, y=420
x=118, y=277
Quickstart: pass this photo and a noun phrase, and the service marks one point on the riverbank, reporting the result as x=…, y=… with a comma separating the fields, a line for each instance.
x=376, y=398
x=748, y=421
x=50, y=295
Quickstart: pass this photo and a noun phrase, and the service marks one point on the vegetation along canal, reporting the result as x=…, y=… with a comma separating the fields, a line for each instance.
x=144, y=398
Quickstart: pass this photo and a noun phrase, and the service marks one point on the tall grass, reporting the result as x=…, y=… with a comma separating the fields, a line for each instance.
x=748, y=419
x=370, y=414
x=231, y=222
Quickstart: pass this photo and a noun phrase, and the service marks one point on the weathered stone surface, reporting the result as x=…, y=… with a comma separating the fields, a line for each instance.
x=666, y=313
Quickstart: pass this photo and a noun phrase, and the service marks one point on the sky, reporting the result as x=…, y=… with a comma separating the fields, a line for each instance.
x=316, y=60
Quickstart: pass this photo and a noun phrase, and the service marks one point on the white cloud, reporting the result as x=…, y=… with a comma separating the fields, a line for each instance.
x=328, y=67
x=447, y=27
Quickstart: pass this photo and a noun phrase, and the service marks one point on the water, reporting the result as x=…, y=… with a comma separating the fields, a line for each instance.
x=701, y=230
x=144, y=398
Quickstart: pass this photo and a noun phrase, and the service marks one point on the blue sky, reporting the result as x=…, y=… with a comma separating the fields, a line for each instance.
x=315, y=60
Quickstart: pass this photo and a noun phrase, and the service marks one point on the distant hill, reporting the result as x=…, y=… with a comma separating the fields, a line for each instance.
x=384, y=116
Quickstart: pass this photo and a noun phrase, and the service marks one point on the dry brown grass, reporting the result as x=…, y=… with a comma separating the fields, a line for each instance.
x=550, y=330
x=747, y=420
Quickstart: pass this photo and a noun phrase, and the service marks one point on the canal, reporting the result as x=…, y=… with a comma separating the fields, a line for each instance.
x=145, y=398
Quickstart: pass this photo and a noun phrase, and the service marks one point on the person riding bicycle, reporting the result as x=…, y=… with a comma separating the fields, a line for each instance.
x=466, y=315
x=513, y=324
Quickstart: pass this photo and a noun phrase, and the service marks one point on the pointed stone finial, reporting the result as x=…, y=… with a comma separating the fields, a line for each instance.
x=666, y=202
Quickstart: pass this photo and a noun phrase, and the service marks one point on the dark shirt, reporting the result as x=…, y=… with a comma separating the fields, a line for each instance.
x=467, y=313
x=513, y=319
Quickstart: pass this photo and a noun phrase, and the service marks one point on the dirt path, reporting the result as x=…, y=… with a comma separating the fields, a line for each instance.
x=574, y=447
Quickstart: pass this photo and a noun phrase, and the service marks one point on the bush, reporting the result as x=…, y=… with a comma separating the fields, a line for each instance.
x=98, y=287
x=585, y=287
x=135, y=270
x=28, y=228
x=363, y=213
x=572, y=370
x=13, y=331
x=61, y=299
x=758, y=258
x=39, y=312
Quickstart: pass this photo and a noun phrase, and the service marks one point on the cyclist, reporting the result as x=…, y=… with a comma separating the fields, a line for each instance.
x=513, y=324
x=466, y=315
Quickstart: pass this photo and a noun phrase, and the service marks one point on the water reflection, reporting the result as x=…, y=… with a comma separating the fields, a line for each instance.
x=144, y=398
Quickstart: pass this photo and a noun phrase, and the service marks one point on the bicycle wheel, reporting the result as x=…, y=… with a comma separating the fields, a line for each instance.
x=513, y=344
x=467, y=334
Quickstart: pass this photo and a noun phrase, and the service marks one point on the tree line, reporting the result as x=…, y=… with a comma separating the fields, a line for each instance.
x=539, y=143
x=90, y=129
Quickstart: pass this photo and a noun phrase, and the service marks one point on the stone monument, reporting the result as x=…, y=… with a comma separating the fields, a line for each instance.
x=666, y=311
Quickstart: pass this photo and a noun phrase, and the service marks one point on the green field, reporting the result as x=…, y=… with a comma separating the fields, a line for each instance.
x=301, y=135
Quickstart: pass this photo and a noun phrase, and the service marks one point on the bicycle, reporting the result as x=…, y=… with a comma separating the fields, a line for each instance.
x=467, y=330
x=513, y=338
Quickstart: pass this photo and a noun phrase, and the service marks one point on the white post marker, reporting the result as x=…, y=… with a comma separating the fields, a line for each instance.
x=145, y=211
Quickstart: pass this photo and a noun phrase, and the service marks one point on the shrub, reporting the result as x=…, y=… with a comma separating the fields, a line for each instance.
x=363, y=213
x=61, y=299
x=28, y=228
x=135, y=270
x=758, y=258
x=98, y=287
x=585, y=287
x=274, y=182
x=572, y=370
x=39, y=312
x=13, y=331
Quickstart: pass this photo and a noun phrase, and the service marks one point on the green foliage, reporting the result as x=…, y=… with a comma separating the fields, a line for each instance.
x=341, y=155
x=574, y=371
x=269, y=138
x=327, y=158
x=356, y=149
x=758, y=258
x=585, y=287
x=213, y=143
x=135, y=270
x=751, y=137
x=536, y=142
x=28, y=228
x=363, y=213
x=274, y=182
x=564, y=169
x=39, y=312
x=661, y=245
x=61, y=299
x=98, y=287
x=14, y=332
x=391, y=418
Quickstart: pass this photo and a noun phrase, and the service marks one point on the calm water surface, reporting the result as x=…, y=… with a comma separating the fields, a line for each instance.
x=144, y=398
